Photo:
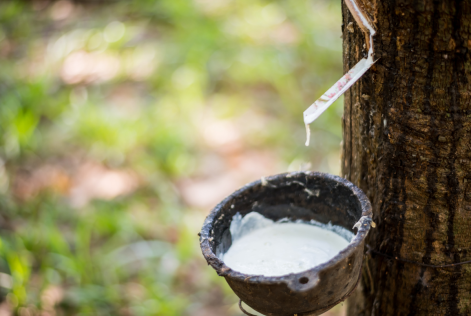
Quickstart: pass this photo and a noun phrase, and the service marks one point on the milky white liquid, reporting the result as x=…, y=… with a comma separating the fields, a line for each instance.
x=281, y=248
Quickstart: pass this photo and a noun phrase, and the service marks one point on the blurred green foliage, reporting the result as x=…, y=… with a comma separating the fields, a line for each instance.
x=104, y=115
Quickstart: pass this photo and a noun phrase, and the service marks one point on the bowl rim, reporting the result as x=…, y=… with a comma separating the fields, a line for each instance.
x=223, y=270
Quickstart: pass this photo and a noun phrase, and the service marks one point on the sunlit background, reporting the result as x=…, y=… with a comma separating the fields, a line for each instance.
x=123, y=123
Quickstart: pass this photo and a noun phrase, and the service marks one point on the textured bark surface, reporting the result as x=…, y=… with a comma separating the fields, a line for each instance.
x=407, y=144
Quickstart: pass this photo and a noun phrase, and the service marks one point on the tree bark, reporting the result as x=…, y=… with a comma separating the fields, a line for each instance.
x=407, y=144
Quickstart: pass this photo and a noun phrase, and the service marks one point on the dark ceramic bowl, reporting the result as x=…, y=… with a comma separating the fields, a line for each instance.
x=299, y=195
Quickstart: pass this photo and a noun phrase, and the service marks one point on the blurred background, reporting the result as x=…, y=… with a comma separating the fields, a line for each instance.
x=122, y=123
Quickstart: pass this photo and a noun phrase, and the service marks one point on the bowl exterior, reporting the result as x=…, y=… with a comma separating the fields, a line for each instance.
x=306, y=293
x=334, y=284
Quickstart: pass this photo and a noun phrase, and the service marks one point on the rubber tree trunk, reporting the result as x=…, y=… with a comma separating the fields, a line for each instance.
x=407, y=144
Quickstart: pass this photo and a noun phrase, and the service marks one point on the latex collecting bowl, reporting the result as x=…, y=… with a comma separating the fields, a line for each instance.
x=297, y=196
